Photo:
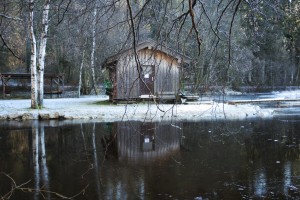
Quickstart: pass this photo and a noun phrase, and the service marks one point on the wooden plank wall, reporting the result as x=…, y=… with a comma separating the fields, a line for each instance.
x=166, y=73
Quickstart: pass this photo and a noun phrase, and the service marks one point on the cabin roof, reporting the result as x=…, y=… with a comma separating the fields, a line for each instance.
x=149, y=44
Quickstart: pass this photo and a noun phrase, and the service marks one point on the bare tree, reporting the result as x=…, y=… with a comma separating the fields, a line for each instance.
x=38, y=60
x=33, y=52
x=42, y=53
x=94, y=47
x=80, y=72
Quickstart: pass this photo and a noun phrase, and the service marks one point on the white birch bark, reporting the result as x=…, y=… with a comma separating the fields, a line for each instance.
x=80, y=73
x=93, y=48
x=96, y=162
x=36, y=163
x=45, y=171
x=42, y=53
x=32, y=57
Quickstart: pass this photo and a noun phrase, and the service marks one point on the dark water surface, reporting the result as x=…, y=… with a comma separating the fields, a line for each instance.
x=135, y=160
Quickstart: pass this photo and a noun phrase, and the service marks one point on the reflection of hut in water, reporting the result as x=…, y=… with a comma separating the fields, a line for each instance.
x=138, y=141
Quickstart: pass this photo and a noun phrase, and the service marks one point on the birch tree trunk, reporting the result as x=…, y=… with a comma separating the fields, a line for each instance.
x=93, y=48
x=42, y=53
x=32, y=57
x=80, y=73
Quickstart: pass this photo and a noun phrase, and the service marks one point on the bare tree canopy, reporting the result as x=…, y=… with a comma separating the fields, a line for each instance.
x=231, y=42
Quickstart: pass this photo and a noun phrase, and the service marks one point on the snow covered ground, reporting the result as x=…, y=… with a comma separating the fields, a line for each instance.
x=89, y=108
x=293, y=94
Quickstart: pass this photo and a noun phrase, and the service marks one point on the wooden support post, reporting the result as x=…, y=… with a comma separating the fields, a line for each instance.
x=3, y=86
x=3, y=81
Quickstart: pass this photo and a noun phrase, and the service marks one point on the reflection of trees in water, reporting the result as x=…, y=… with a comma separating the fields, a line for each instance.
x=243, y=154
x=29, y=152
x=138, y=143
x=243, y=147
x=273, y=141
x=270, y=150
x=258, y=137
x=206, y=133
x=124, y=141
x=17, y=142
x=262, y=152
x=41, y=174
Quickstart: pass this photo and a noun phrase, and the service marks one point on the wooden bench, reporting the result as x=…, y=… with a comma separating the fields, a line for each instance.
x=185, y=98
x=167, y=96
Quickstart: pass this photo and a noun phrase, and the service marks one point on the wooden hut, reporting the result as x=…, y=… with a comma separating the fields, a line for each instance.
x=152, y=72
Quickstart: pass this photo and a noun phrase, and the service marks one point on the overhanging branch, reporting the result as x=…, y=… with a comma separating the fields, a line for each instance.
x=9, y=49
x=9, y=17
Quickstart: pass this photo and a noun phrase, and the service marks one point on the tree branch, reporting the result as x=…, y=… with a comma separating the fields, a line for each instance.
x=230, y=30
x=63, y=14
x=21, y=187
x=9, y=49
x=192, y=15
x=9, y=17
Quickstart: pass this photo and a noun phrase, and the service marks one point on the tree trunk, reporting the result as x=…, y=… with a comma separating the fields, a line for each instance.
x=42, y=53
x=250, y=76
x=80, y=73
x=297, y=60
x=263, y=71
x=93, y=49
x=32, y=57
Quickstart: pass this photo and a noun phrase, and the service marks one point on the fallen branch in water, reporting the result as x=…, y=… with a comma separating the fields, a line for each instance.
x=21, y=187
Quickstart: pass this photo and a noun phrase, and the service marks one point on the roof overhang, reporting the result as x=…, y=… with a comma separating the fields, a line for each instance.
x=148, y=44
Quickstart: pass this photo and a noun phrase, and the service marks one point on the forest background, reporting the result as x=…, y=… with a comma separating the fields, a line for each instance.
x=231, y=43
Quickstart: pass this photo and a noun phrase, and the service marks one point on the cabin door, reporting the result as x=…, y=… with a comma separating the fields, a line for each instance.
x=147, y=80
x=147, y=137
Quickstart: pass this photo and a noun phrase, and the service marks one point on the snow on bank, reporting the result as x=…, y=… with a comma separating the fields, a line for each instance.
x=89, y=108
x=293, y=94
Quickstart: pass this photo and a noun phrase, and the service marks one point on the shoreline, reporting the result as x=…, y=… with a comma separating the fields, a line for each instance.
x=87, y=108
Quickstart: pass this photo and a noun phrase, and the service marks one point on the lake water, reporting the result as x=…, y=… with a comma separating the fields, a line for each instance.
x=134, y=160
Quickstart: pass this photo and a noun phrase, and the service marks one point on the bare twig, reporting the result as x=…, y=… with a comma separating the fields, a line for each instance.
x=59, y=20
x=230, y=30
x=9, y=17
x=192, y=3
x=21, y=187
x=210, y=23
x=9, y=49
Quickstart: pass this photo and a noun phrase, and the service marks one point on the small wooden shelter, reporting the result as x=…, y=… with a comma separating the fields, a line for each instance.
x=58, y=80
x=148, y=71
